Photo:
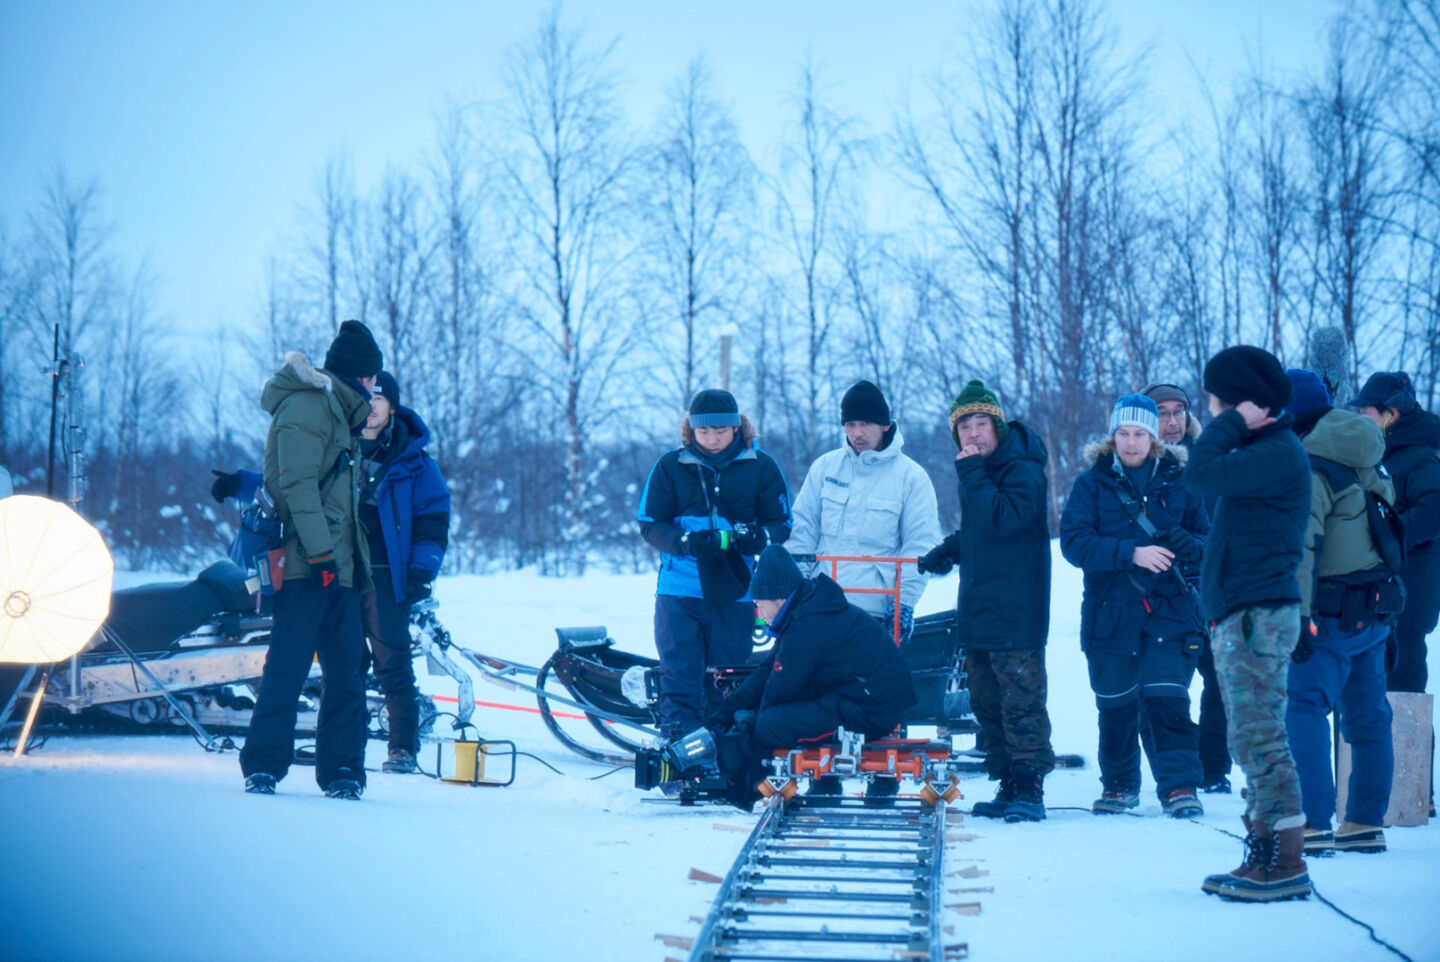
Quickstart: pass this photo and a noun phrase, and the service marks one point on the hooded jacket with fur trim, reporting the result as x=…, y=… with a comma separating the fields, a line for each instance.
x=1099, y=535
x=315, y=419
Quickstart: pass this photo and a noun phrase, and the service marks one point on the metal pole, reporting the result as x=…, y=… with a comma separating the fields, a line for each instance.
x=35, y=701
x=54, y=404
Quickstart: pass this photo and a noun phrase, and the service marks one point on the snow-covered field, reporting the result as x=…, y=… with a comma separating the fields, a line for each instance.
x=146, y=848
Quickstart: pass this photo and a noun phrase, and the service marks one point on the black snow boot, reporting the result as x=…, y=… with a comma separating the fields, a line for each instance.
x=260, y=784
x=1028, y=805
x=1004, y=795
x=345, y=788
x=401, y=761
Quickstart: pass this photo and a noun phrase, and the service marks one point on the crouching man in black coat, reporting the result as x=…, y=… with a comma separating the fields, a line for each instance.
x=832, y=665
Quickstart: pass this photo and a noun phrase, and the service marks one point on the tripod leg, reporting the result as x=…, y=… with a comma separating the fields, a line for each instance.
x=15, y=697
x=35, y=701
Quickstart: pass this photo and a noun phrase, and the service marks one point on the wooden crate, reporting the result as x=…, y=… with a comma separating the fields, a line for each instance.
x=1414, y=734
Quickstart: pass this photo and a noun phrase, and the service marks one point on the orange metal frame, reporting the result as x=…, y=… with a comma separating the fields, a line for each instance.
x=894, y=592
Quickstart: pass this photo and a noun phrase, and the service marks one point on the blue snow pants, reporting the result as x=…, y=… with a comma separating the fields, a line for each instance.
x=1346, y=673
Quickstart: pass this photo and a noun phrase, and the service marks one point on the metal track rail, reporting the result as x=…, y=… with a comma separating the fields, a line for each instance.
x=829, y=880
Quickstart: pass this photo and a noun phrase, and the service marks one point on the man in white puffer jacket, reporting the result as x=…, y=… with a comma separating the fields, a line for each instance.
x=867, y=498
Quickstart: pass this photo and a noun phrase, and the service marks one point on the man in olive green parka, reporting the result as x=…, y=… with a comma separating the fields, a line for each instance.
x=311, y=458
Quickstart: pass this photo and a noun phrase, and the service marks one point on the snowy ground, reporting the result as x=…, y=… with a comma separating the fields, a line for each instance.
x=146, y=848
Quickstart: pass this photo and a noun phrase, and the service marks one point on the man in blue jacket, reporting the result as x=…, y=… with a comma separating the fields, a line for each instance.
x=405, y=509
x=1133, y=527
x=709, y=506
x=1250, y=460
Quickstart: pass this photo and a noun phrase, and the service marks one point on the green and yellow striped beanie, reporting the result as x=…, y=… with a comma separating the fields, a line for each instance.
x=976, y=398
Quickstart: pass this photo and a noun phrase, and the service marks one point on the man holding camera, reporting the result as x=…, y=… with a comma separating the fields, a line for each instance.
x=709, y=506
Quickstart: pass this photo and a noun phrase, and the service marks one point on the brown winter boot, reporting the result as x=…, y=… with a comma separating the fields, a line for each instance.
x=1284, y=877
x=1257, y=854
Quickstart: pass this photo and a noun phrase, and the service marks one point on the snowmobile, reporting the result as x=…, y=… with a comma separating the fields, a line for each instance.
x=204, y=641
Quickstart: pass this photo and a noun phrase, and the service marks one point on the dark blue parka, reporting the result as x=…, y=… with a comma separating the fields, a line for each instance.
x=1262, y=481
x=826, y=648
x=687, y=493
x=1003, y=545
x=1098, y=534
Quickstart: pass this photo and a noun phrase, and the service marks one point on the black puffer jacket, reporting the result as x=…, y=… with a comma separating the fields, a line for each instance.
x=826, y=647
x=1262, y=481
x=1003, y=545
x=1413, y=462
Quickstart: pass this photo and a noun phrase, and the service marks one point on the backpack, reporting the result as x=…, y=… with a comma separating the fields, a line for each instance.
x=1387, y=531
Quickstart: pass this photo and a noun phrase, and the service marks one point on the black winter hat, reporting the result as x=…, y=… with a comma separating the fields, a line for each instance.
x=713, y=408
x=387, y=387
x=776, y=575
x=354, y=352
x=864, y=402
x=1387, y=389
x=1245, y=373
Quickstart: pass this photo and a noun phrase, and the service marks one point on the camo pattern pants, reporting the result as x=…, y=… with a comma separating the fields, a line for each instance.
x=1252, y=660
x=1007, y=694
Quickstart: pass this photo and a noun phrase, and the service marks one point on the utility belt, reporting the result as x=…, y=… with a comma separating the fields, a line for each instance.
x=1360, y=599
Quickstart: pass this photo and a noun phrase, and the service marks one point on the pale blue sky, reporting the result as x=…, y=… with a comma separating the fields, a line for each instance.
x=205, y=122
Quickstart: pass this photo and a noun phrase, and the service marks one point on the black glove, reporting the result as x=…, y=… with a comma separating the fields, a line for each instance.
x=227, y=485
x=750, y=539
x=325, y=570
x=1187, y=548
x=417, y=586
x=743, y=722
x=937, y=561
x=698, y=543
x=1305, y=646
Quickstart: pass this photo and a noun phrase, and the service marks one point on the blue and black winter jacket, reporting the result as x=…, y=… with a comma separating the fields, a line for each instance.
x=1099, y=534
x=413, y=503
x=688, y=493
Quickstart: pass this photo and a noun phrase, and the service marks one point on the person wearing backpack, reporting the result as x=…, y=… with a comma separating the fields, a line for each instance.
x=1348, y=596
x=1412, y=456
x=316, y=415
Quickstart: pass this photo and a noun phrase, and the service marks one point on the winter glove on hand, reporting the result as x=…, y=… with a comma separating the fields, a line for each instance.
x=417, y=586
x=227, y=485
x=907, y=620
x=699, y=543
x=1186, y=546
x=743, y=723
x=325, y=570
x=937, y=561
x=1305, y=647
x=750, y=539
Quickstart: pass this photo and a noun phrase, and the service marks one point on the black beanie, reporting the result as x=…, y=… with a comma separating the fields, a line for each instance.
x=354, y=352
x=714, y=408
x=776, y=575
x=387, y=387
x=1247, y=373
x=864, y=402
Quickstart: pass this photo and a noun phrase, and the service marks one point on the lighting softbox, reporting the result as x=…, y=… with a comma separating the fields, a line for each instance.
x=55, y=579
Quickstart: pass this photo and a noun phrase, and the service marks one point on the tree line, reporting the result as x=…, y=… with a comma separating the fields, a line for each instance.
x=552, y=281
